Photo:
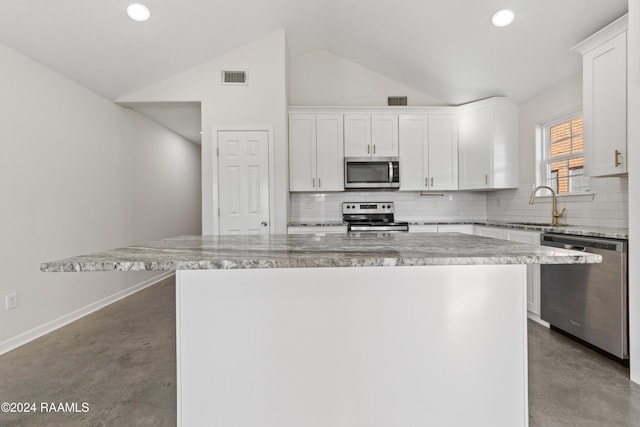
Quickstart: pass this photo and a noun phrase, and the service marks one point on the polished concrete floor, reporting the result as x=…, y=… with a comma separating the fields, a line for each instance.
x=120, y=361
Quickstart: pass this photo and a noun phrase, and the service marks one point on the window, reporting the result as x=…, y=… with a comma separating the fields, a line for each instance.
x=563, y=163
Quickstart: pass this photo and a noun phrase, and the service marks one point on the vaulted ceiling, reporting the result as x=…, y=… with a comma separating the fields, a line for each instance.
x=445, y=48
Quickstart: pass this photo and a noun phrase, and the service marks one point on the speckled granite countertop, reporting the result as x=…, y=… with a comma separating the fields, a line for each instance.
x=298, y=251
x=318, y=224
x=576, y=230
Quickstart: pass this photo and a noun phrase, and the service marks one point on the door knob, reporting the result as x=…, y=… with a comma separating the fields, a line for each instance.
x=264, y=223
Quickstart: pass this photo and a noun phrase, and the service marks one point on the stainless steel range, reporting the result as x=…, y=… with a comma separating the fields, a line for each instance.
x=371, y=216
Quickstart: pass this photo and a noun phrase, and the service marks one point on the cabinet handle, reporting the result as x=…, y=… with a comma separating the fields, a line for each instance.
x=486, y=179
x=319, y=182
x=432, y=181
x=374, y=148
x=313, y=181
x=426, y=181
x=368, y=148
x=617, y=159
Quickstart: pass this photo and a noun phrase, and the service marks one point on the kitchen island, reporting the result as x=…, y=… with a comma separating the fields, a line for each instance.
x=276, y=330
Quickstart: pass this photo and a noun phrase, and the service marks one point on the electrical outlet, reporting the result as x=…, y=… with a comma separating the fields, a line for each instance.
x=499, y=202
x=11, y=301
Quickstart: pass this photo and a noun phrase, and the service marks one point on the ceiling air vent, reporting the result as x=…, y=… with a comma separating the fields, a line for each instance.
x=237, y=77
x=397, y=100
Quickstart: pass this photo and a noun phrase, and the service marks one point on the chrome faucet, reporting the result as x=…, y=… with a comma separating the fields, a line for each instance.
x=554, y=207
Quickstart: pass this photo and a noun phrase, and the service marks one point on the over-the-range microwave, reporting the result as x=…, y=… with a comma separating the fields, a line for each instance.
x=382, y=173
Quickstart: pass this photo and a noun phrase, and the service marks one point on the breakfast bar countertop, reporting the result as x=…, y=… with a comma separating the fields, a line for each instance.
x=301, y=251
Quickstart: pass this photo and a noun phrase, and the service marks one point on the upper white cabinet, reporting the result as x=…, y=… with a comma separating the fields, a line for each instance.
x=316, y=152
x=428, y=152
x=604, y=82
x=488, y=145
x=374, y=135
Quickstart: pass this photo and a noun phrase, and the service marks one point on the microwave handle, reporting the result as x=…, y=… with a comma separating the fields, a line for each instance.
x=390, y=171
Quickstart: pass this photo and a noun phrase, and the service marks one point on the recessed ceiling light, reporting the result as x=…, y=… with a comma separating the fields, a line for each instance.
x=138, y=12
x=502, y=18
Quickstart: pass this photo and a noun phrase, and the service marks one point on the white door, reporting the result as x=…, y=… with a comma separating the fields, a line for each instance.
x=243, y=182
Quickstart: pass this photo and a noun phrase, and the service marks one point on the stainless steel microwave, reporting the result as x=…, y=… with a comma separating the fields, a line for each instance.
x=371, y=173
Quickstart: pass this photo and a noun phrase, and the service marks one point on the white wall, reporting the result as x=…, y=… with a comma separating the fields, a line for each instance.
x=633, y=154
x=320, y=78
x=608, y=204
x=79, y=174
x=262, y=102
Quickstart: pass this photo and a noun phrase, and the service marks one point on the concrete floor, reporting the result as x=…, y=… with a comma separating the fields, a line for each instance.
x=121, y=361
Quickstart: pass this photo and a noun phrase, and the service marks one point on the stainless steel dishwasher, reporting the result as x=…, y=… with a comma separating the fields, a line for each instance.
x=588, y=301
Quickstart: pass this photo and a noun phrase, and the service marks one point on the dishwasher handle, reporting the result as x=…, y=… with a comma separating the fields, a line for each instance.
x=575, y=248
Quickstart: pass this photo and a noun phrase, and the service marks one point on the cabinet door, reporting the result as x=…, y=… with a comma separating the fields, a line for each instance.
x=533, y=271
x=442, y=158
x=456, y=228
x=384, y=135
x=413, y=142
x=357, y=135
x=605, y=107
x=302, y=152
x=474, y=143
x=423, y=228
x=329, y=153
x=493, y=232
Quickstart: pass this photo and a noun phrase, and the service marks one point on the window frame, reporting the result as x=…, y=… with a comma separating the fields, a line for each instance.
x=544, y=173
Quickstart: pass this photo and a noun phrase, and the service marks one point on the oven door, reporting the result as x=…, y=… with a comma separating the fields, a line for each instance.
x=365, y=172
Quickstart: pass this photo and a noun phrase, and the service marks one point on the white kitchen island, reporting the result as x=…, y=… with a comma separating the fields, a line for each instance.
x=345, y=330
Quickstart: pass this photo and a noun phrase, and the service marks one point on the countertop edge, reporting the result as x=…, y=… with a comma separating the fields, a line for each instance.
x=55, y=267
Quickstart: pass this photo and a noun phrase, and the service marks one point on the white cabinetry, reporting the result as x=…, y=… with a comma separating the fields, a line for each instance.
x=533, y=270
x=493, y=232
x=316, y=152
x=319, y=230
x=456, y=228
x=604, y=82
x=428, y=152
x=423, y=228
x=371, y=135
x=488, y=145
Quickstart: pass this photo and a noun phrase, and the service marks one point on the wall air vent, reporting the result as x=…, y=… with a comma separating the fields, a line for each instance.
x=235, y=77
x=397, y=100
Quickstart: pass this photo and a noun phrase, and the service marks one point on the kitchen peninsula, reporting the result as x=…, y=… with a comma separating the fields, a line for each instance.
x=277, y=330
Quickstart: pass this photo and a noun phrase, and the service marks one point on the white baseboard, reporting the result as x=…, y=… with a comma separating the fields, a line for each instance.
x=536, y=318
x=38, y=331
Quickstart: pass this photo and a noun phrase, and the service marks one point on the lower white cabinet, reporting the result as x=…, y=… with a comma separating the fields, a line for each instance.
x=533, y=270
x=423, y=228
x=292, y=229
x=456, y=228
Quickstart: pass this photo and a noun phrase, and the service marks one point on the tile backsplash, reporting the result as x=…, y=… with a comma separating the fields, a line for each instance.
x=606, y=205
x=410, y=206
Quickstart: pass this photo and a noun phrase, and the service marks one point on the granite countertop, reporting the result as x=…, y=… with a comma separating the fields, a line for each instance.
x=318, y=224
x=576, y=230
x=336, y=250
